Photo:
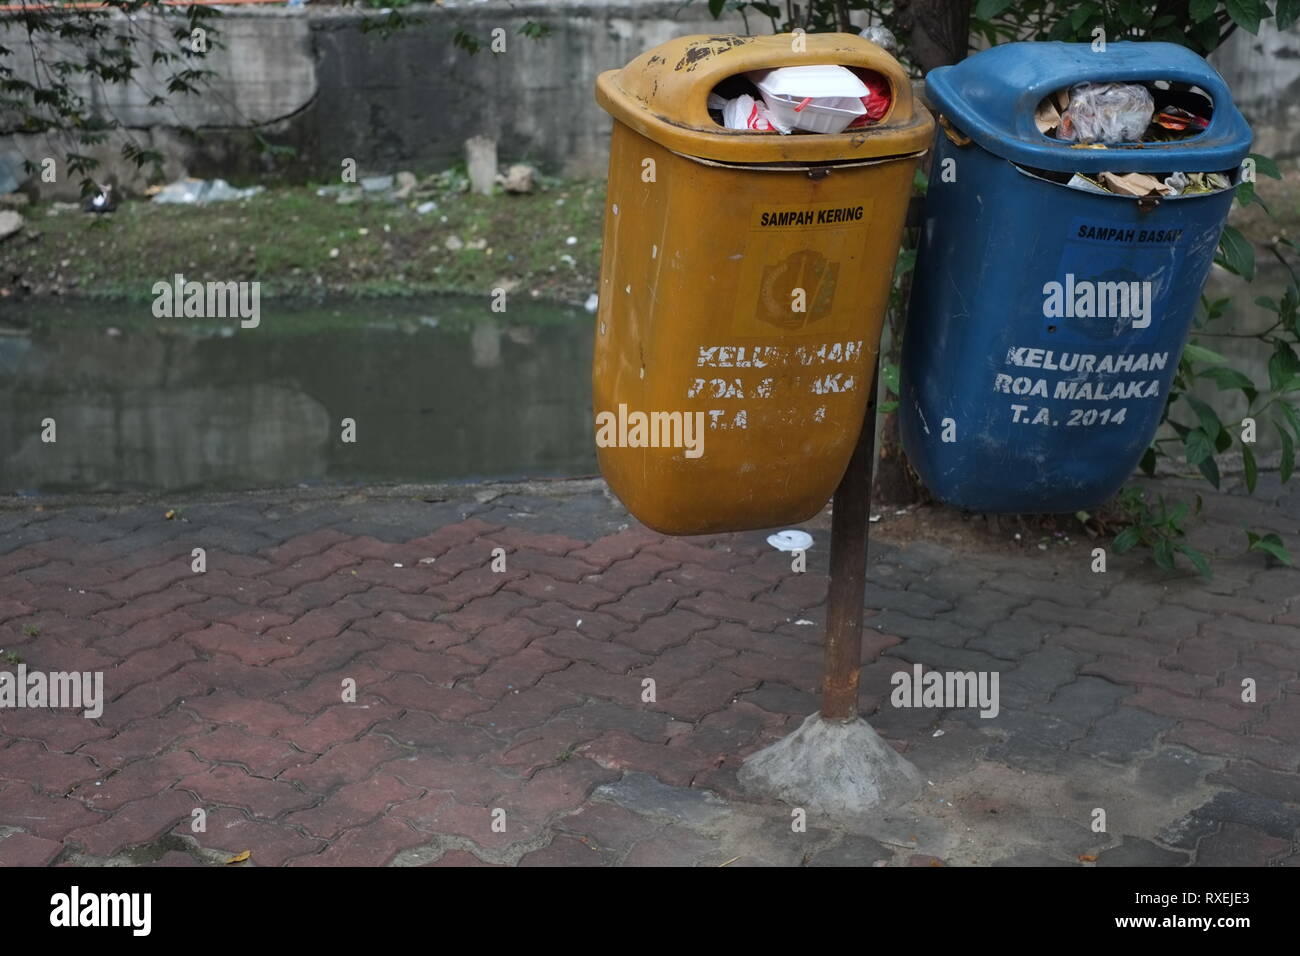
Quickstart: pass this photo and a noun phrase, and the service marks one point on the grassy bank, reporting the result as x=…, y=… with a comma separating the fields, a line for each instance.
x=303, y=245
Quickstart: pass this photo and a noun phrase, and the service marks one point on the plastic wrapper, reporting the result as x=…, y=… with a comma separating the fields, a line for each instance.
x=1174, y=118
x=190, y=192
x=1134, y=184
x=1107, y=113
x=1087, y=184
x=881, y=37
x=744, y=112
x=1206, y=183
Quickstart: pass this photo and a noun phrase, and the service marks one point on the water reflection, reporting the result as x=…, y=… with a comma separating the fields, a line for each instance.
x=440, y=391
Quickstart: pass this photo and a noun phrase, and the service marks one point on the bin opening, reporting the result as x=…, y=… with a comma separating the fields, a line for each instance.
x=1149, y=113
x=821, y=98
x=1159, y=185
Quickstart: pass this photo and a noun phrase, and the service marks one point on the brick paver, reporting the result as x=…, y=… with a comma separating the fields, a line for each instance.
x=353, y=681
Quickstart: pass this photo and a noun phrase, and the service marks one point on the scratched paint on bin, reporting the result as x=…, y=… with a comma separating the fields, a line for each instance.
x=759, y=373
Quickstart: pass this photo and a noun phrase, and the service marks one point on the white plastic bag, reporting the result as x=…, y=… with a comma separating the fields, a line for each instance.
x=190, y=192
x=744, y=112
x=1107, y=113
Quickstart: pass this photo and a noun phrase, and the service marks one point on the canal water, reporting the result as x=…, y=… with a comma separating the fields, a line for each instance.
x=439, y=390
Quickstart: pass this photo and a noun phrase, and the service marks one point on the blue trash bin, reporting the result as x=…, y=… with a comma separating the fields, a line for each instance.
x=1047, y=322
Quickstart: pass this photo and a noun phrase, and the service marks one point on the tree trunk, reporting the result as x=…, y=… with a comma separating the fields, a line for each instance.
x=938, y=30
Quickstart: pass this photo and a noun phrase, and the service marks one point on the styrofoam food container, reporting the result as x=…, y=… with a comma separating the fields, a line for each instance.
x=835, y=91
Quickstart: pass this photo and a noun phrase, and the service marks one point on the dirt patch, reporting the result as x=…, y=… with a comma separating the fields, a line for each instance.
x=962, y=531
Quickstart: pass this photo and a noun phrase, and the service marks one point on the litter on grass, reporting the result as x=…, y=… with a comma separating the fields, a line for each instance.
x=190, y=192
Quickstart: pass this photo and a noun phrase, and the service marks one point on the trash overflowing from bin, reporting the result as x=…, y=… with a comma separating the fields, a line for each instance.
x=1115, y=114
x=1131, y=115
x=819, y=98
x=1148, y=184
x=744, y=112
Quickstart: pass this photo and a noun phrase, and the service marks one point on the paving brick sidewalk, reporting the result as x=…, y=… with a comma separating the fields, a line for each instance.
x=515, y=697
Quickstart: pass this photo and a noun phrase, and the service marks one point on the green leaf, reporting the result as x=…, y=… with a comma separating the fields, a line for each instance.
x=1247, y=13
x=1163, y=552
x=1214, y=308
x=1230, y=378
x=1288, y=453
x=1126, y=540
x=987, y=9
x=466, y=41
x=1131, y=12
x=1252, y=469
x=1196, y=557
x=889, y=375
x=1287, y=12
x=1080, y=15
x=1199, y=446
x=886, y=407
x=1271, y=545
x=1265, y=164
x=1236, y=254
x=1201, y=9
x=905, y=263
x=1246, y=194
x=1062, y=30
x=1210, y=423
x=1205, y=35
x=1199, y=353
x=1289, y=413
x=1282, y=367
x=1210, y=469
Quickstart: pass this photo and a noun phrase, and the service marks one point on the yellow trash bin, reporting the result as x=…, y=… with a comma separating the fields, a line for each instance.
x=744, y=280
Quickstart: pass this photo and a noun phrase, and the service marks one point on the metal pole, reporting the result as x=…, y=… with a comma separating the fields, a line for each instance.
x=850, y=507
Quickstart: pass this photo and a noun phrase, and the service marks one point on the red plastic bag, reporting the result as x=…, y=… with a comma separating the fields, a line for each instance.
x=877, y=101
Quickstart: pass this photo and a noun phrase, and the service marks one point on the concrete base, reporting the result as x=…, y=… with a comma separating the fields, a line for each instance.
x=841, y=769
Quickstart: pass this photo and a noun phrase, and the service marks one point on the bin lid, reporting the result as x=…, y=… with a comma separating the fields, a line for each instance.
x=663, y=94
x=991, y=97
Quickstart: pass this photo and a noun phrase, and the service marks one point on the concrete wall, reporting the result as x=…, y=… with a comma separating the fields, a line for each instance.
x=1263, y=73
x=316, y=80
